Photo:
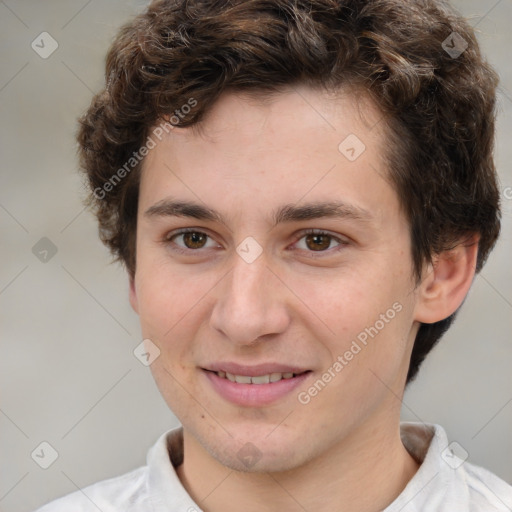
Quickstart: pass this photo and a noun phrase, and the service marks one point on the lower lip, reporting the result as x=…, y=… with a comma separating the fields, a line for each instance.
x=254, y=395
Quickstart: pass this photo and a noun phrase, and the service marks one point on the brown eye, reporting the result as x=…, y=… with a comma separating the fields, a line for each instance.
x=189, y=241
x=194, y=240
x=317, y=242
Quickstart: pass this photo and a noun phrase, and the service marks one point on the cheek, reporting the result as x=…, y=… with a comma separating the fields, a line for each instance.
x=366, y=317
x=167, y=297
x=367, y=364
x=348, y=300
x=170, y=311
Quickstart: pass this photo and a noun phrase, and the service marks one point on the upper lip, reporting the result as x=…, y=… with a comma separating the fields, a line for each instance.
x=254, y=370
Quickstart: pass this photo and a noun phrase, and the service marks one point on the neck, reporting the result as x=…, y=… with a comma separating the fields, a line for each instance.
x=365, y=472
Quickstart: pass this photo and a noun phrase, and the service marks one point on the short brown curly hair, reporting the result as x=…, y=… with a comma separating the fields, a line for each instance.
x=439, y=105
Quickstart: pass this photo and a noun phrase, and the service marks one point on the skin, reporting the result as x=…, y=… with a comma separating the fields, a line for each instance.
x=294, y=304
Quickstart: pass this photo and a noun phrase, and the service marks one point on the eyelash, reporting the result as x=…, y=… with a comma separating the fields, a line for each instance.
x=315, y=254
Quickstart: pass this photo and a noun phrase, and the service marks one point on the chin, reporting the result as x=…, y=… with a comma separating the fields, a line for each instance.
x=250, y=459
x=257, y=452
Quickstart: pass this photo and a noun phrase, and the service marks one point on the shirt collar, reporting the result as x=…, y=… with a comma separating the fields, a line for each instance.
x=428, y=444
x=165, y=490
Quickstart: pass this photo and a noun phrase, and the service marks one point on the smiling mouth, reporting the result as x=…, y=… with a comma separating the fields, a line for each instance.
x=258, y=379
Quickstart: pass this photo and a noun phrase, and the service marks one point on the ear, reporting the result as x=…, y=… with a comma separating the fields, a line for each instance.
x=133, y=295
x=446, y=282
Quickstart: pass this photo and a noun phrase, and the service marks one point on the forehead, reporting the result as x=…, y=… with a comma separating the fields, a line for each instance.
x=281, y=148
x=312, y=107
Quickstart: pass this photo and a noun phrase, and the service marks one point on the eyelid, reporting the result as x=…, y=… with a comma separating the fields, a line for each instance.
x=168, y=239
x=342, y=241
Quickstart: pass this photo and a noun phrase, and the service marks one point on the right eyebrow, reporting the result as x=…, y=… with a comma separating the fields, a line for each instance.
x=170, y=208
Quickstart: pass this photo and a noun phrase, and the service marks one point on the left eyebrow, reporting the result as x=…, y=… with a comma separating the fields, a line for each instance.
x=287, y=213
x=335, y=209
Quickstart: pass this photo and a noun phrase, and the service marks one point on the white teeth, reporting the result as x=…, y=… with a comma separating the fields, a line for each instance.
x=242, y=379
x=260, y=379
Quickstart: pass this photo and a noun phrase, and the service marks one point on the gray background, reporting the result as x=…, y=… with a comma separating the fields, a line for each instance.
x=68, y=375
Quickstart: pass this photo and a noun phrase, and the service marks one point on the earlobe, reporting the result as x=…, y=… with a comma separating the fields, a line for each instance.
x=446, y=282
x=133, y=295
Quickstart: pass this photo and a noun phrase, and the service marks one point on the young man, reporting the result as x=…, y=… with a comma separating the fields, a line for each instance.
x=301, y=192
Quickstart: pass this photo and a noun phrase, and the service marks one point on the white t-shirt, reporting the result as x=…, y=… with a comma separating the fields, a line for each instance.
x=443, y=483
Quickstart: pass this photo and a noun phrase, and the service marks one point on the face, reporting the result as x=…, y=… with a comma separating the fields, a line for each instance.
x=272, y=252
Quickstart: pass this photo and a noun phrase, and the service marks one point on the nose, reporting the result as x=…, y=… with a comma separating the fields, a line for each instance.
x=250, y=303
